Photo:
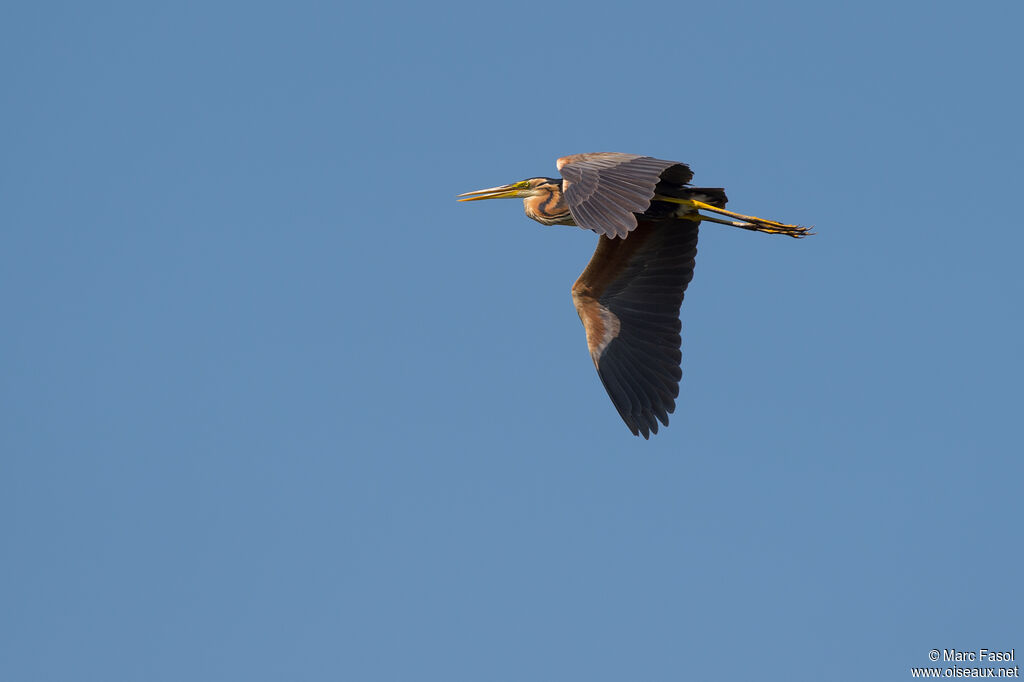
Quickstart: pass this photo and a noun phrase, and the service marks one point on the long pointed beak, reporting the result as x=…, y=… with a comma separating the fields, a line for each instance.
x=503, y=192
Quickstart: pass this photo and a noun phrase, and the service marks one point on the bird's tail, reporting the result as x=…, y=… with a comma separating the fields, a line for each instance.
x=709, y=195
x=714, y=196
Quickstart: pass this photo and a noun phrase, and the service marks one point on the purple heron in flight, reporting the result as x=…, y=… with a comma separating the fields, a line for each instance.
x=628, y=296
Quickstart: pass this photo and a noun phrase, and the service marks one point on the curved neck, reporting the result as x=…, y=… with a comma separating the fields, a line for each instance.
x=548, y=208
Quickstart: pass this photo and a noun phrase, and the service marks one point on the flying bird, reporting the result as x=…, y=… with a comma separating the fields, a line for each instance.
x=629, y=295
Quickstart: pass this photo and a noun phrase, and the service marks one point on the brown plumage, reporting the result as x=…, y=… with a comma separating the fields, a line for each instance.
x=629, y=295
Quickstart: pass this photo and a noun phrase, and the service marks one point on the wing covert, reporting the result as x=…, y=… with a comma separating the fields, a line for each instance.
x=604, y=190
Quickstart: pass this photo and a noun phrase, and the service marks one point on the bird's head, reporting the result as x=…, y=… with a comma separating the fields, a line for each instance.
x=542, y=199
x=524, y=189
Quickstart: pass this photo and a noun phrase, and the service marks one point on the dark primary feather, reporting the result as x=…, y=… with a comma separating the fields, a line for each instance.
x=641, y=281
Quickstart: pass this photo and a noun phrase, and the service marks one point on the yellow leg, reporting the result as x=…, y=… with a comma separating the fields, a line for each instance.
x=749, y=222
x=748, y=218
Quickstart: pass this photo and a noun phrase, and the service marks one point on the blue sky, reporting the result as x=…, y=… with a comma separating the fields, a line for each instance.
x=274, y=406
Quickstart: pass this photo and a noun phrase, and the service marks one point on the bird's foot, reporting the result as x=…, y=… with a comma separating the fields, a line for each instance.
x=771, y=227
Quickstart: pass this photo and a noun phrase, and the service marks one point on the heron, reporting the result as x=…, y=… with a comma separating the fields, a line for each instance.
x=629, y=295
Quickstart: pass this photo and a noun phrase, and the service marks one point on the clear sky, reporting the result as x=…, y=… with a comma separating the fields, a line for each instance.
x=273, y=406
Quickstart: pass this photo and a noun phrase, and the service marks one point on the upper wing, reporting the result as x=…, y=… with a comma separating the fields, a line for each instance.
x=628, y=299
x=605, y=189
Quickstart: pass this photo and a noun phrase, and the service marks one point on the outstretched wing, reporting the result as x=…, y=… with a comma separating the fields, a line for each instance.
x=605, y=189
x=628, y=299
